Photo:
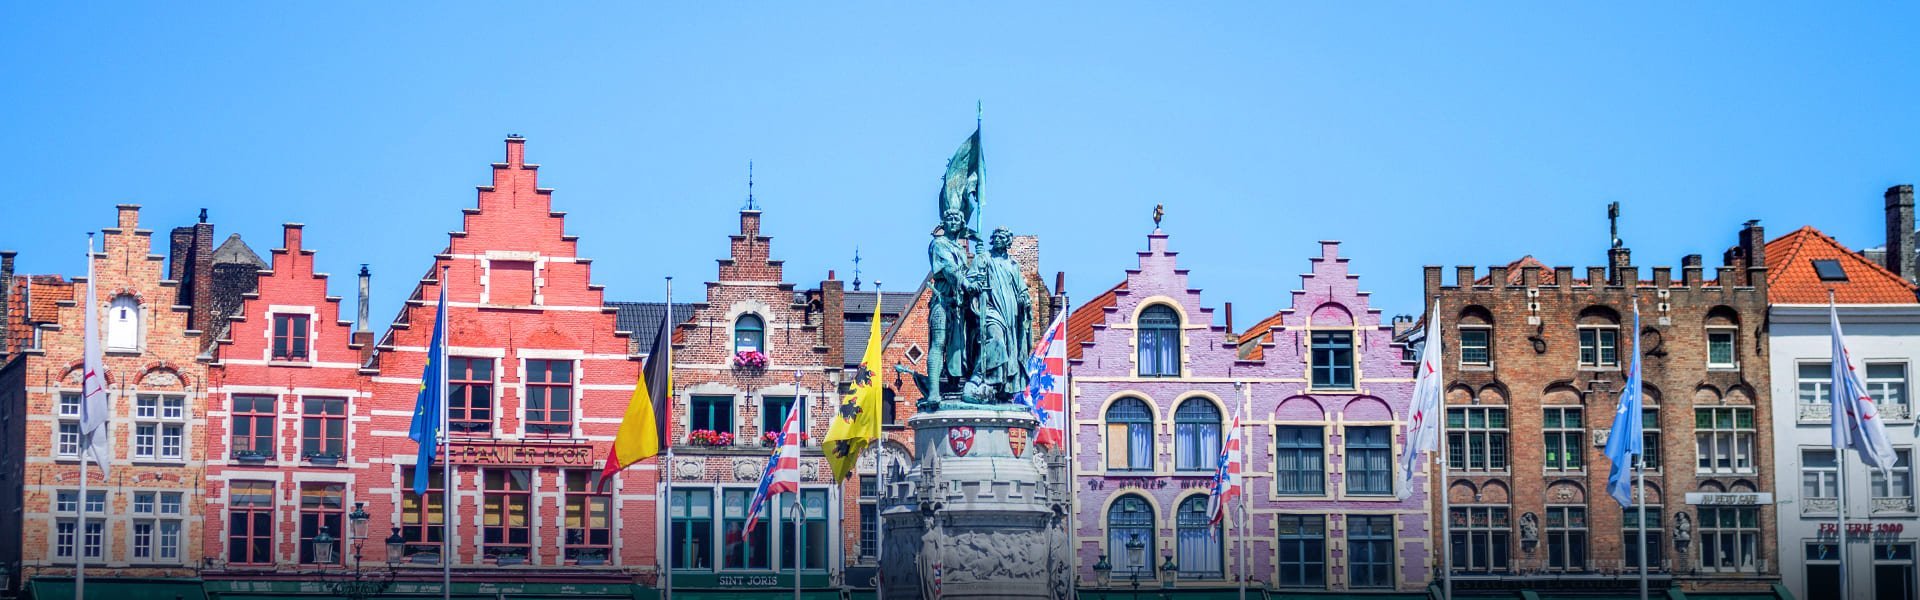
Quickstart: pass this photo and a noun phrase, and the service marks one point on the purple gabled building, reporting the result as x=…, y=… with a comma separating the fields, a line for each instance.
x=1322, y=391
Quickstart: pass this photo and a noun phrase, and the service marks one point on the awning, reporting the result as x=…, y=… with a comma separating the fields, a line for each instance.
x=759, y=594
x=118, y=588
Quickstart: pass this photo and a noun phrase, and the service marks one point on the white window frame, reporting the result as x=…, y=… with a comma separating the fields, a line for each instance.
x=1741, y=442
x=159, y=509
x=1813, y=394
x=1466, y=364
x=1600, y=346
x=166, y=415
x=64, y=505
x=1895, y=495
x=1710, y=531
x=1824, y=480
x=1733, y=347
x=1882, y=388
x=68, y=417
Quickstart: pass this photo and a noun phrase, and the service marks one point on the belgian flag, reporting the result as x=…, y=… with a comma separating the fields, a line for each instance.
x=644, y=430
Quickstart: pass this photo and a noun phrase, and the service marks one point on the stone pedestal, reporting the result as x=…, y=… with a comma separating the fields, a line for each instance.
x=973, y=520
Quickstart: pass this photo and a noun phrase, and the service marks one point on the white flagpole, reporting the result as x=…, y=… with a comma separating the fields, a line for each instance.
x=880, y=484
x=799, y=541
x=665, y=501
x=1446, y=511
x=447, y=505
x=1245, y=399
x=1840, y=453
x=86, y=441
x=1640, y=466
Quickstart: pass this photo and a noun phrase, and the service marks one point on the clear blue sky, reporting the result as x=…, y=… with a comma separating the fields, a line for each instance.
x=1418, y=134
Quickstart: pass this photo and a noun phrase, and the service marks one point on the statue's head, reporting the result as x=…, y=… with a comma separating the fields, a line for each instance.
x=953, y=221
x=1002, y=240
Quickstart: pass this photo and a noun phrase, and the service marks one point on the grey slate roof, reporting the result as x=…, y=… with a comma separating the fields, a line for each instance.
x=234, y=251
x=858, y=308
x=643, y=318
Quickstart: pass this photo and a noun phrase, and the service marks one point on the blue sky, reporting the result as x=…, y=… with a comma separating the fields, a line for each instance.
x=1417, y=134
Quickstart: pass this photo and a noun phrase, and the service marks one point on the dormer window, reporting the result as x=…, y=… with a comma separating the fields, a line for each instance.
x=749, y=334
x=1159, y=341
x=1829, y=270
x=123, y=324
x=290, y=337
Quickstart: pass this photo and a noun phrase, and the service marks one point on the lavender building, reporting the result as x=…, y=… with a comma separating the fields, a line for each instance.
x=1322, y=390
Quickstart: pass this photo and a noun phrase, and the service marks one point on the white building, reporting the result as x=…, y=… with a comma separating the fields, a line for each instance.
x=1881, y=321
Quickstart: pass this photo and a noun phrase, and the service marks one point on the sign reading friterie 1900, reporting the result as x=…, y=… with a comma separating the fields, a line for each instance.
x=521, y=455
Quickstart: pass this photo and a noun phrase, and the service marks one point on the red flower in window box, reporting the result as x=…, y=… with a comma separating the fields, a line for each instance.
x=767, y=439
x=750, y=359
x=707, y=437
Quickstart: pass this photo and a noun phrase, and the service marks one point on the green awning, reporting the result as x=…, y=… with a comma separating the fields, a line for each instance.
x=760, y=594
x=118, y=588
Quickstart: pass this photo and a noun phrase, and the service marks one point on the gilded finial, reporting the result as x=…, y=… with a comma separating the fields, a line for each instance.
x=1159, y=212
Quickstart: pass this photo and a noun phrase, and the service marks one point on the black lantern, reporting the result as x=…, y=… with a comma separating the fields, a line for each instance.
x=357, y=522
x=323, y=547
x=1103, y=572
x=396, y=546
x=1169, y=572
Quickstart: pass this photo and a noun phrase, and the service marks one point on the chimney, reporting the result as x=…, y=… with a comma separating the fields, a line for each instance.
x=516, y=150
x=1900, y=233
x=190, y=264
x=362, y=338
x=1231, y=332
x=1753, y=243
x=6, y=304
x=833, y=316
x=1617, y=260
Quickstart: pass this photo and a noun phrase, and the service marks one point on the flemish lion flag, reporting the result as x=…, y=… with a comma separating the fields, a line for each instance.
x=857, y=422
x=644, y=427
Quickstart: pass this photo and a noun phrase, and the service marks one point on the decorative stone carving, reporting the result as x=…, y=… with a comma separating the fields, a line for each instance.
x=747, y=469
x=689, y=468
x=1529, y=528
x=1682, y=528
x=809, y=470
x=1819, y=506
x=1816, y=411
x=1894, y=410
x=1892, y=506
x=161, y=378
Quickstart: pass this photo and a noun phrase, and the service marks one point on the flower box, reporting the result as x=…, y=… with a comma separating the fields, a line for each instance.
x=705, y=437
x=767, y=439
x=750, y=359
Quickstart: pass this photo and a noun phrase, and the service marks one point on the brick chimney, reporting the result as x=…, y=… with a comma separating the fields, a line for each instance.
x=6, y=304
x=1753, y=243
x=1233, y=335
x=833, y=320
x=1618, y=260
x=190, y=264
x=1900, y=233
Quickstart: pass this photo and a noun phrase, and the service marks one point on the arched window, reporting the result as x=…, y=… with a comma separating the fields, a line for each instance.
x=749, y=333
x=1196, y=435
x=1129, y=436
x=1199, y=553
x=1159, y=330
x=1130, y=537
x=123, y=324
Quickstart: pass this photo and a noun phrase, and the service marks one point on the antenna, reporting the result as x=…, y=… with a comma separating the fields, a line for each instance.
x=856, y=269
x=750, y=203
x=1613, y=223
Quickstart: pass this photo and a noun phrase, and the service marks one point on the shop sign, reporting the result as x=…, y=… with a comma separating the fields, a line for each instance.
x=521, y=455
x=1741, y=499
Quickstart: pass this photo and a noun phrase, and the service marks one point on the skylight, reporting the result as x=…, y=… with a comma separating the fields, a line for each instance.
x=1829, y=270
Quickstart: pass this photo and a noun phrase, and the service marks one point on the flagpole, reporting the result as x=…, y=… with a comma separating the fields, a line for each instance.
x=1840, y=464
x=1446, y=511
x=879, y=494
x=1640, y=466
x=1246, y=398
x=86, y=447
x=799, y=541
x=1840, y=452
x=665, y=502
x=447, y=509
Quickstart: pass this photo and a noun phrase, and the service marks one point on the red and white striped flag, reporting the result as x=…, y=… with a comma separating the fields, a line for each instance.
x=1226, y=477
x=783, y=468
x=1045, y=396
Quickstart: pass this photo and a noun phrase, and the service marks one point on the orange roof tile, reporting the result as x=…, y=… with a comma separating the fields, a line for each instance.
x=1791, y=278
x=1514, y=272
x=1080, y=323
x=1251, y=347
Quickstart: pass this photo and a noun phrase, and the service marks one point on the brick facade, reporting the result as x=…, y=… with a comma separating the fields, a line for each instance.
x=1535, y=363
x=1208, y=386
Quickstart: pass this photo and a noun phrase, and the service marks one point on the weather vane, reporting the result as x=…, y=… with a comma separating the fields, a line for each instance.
x=750, y=204
x=1159, y=212
x=856, y=268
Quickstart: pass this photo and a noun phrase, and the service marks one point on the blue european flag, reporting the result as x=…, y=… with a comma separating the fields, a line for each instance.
x=426, y=407
x=1624, y=442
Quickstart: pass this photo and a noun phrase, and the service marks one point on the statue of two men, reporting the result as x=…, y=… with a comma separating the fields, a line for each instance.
x=979, y=316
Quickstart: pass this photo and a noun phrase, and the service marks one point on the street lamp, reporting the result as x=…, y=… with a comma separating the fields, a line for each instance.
x=355, y=583
x=396, y=547
x=1103, y=572
x=1137, y=554
x=323, y=547
x=357, y=526
x=1169, y=572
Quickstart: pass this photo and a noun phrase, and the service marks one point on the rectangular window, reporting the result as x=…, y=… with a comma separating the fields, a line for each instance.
x=1299, y=461
x=1332, y=355
x=813, y=531
x=1724, y=439
x=1477, y=439
x=773, y=414
x=67, y=529
x=1482, y=538
x=506, y=526
x=1729, y=539
x=550, y=397
x=1630, y=535
x=470, y=395
x=1819, y=482
x=1823, y=571
x=1599, y=347
x=1893, y=490
x=421, y=518
x=250, y=523
x=1887, y=385
x=290, y=337
x=869, y=517
x=157, y=523
x=1566, y=435
x=1476, y=348
x=1893, y=571
x=323, y=427
x=691, y=543
x=159, y=427
x=253, y=427
x=711, y=413
x=1369, y=460
x=67, y=436
x=320, y=509
x=1720, y=353
x=1650, y=438
x=1816, y=390
x=1370, y=551
x=746, y=550
x=1566, y=538
x=1303, y=551
x=589, y=535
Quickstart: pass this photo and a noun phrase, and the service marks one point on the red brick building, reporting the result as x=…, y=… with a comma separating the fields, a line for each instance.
x=539, y=380
x=287, y=394
x=145, y=519
x=1537, y=358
